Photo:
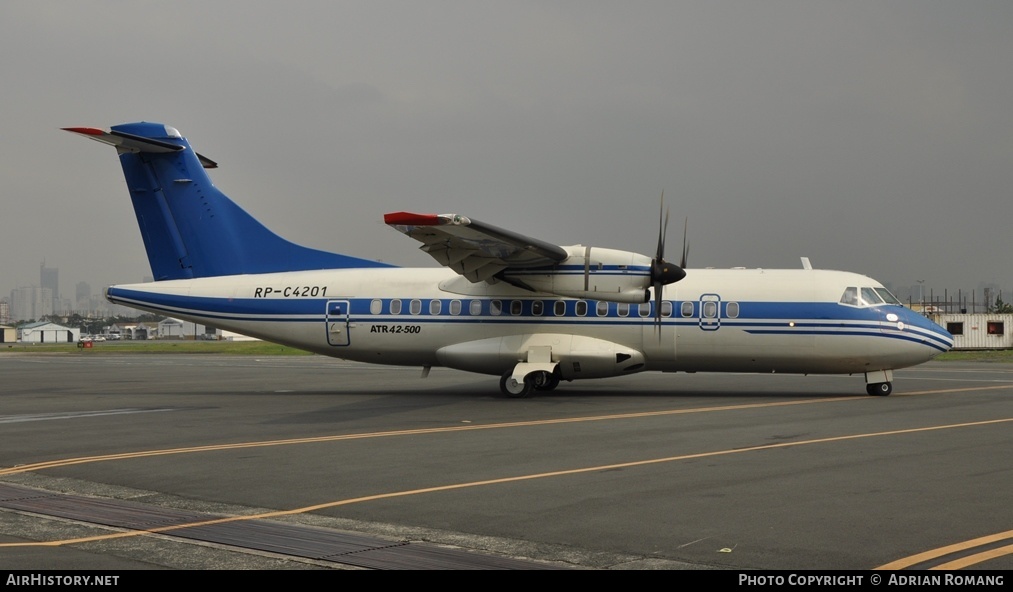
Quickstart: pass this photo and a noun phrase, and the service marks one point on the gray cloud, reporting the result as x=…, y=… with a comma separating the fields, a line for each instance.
x=874, y=137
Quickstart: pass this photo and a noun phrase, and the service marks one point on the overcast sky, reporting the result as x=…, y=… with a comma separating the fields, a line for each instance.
x=873, y=136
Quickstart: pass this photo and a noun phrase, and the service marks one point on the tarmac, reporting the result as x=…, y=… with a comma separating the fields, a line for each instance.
x=209, y=462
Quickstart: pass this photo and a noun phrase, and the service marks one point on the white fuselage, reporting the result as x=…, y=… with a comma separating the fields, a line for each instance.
x=727, y=320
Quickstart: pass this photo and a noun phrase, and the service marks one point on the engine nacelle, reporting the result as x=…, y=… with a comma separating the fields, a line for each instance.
x=578, y=356
x=591, y=272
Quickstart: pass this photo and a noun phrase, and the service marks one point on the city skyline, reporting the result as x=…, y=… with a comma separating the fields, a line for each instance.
x=35, y=301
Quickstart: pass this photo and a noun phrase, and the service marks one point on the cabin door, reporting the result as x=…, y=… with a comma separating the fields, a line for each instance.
x=336, y=320
x=709, y=312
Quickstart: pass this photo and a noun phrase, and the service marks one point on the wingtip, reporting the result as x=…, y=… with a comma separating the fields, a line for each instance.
x=87, y=131
x=411, y=219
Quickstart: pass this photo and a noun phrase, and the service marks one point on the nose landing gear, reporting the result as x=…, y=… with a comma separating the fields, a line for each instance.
x=879, y=383
x=879, y=389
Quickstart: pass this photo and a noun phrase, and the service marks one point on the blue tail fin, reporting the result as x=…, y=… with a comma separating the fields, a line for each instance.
x=190, y=228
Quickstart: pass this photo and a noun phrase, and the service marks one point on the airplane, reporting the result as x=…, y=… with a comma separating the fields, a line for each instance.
x=531, y=312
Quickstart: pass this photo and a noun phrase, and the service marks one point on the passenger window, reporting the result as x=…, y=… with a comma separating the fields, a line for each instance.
x=623, y=309
x=645, y=309
x=536, y=307
x=376, y=306
x=455, y=307
x=559, y=308
x=515, y=307
x=415, y=307
x=732, y=310
x=495, y=307
x=666, y=308
x=581, y=308
x=475, y=308
x=395, y=307
x=710, y=309
x=687, y=309
x=435, y=306
x=602, y=308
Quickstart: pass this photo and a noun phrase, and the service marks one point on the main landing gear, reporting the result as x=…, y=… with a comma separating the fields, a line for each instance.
x=536, y=381
x=879, y=389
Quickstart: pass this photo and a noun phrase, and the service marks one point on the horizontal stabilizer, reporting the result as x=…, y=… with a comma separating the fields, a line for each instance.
x=125, y=142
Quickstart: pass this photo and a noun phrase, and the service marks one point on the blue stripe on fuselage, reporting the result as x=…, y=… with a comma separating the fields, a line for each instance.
x=757, y=318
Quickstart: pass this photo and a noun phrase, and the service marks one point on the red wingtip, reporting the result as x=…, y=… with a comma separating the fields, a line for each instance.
x=88, y=131
x=410, y=219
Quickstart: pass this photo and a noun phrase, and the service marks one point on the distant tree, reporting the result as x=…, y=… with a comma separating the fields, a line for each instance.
x=1001, y=307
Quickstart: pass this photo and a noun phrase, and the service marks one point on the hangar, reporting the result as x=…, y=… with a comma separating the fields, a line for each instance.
x=47, y=332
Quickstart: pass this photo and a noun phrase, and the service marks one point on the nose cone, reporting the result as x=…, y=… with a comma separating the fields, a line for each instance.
x=918, y=329
x=664, y=272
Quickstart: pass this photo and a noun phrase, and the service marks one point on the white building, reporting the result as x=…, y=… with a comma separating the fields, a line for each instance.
x=979, y=331
x=133, y=331
x=176, y=329
x=233, y=336
x=46, y=332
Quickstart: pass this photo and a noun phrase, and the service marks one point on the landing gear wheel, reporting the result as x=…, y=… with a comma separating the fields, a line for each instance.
x=514, y=389
x=545, y=381
x=879, y=389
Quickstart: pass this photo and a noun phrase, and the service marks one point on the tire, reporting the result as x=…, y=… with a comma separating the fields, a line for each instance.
x=546, y=381
x=513, y=389
x=879, y=389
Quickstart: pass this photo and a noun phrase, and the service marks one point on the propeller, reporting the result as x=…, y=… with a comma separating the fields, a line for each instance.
x=664, y=272
x=685, y=244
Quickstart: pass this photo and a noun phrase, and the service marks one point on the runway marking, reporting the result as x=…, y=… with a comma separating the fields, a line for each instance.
x=495, y=426
x=975, y=559
x=73, y=415
x=955, y=390
x=519, y=478
x=956, y=548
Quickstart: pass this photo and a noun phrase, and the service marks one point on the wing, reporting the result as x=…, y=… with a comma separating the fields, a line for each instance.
x=474, y=249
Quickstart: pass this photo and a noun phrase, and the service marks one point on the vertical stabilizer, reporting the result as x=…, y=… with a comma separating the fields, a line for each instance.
x=190, y=228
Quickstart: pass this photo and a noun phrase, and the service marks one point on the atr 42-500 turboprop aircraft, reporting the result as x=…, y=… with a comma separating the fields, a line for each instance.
x=531, y=312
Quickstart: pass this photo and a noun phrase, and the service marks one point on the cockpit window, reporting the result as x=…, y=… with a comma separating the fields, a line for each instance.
x=870, y=297
x=866, y=296
x=887, y=296
x=850, y=296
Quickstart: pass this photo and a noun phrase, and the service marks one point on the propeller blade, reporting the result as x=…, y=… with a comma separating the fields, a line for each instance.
x=657, y=309
x=662, y=229
x=661, y=271
x=685, y=243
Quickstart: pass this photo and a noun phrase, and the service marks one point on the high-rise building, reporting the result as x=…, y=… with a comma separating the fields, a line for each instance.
x=82, y=296
x=49, y=277
x=31, y=302
x=5, y=312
